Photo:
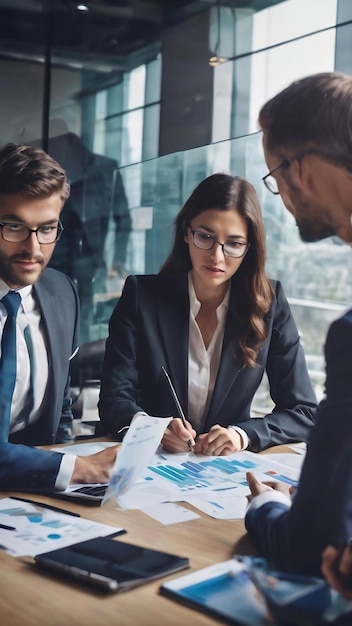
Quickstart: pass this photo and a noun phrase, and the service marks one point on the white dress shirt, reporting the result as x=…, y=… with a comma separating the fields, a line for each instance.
x=28, y=315
x=203, y=363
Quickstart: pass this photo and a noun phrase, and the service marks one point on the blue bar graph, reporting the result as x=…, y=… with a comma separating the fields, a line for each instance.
x=191, y=475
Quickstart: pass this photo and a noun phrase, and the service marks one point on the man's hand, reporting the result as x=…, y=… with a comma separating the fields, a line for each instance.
x=95, y=468
x=219, y=441
x=337, y=569
x=176, y=436
x=256, y=487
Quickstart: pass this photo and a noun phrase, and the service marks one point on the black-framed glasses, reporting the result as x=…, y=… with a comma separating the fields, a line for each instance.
x=16, y=233
x=205, y=241
x=270, y=181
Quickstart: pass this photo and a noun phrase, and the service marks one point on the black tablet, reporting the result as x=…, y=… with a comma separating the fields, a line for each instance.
x=109, y=564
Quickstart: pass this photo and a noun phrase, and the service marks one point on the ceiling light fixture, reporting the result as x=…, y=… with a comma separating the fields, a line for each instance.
x=215, y=59
x=82, y=7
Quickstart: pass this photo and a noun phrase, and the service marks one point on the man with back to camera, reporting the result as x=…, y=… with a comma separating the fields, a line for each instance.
x=35, y=405
x=307, y=141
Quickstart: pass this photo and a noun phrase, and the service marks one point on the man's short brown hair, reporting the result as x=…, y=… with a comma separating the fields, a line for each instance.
x=313, y=112
x=31, y=172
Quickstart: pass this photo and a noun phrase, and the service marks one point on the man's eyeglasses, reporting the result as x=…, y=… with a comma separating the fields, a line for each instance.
x=204, y=241
x=270, y=181
x=16, y=233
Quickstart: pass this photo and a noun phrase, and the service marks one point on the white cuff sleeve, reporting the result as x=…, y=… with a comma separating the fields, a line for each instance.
x=243, y=435
x=136, y=415
x=65, y=472
x=269, y=496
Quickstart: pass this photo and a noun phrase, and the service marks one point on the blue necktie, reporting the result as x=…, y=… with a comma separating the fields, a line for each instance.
x=8, y=362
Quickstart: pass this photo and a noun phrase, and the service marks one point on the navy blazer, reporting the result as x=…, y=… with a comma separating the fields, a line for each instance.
x=149, y=328
x=321, y=512
x=22, y=467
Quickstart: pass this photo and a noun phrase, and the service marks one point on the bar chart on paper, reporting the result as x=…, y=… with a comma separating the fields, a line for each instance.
x=191, y=473
x=215, y=485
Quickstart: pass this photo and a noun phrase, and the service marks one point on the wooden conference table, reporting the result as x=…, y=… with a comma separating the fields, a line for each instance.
x=30, y=596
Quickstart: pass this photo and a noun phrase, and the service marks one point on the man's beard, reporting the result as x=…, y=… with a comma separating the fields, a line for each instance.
x=311, y=228
x=12, y=276
x=311, y=232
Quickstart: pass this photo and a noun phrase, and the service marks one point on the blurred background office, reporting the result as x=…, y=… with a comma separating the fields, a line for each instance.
x=140, y=100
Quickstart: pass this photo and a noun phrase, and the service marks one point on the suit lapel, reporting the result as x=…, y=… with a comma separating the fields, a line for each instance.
x=51, y=321
x=228, y=367
x=173, y=320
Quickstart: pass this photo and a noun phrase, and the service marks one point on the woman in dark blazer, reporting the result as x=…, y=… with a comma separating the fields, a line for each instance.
x=214, y=321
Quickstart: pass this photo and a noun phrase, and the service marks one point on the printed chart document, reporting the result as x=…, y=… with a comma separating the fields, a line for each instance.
x=28, y=529
x=215, y=485
x=137, y=449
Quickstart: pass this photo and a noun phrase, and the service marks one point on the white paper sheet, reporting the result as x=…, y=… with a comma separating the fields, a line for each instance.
x=34, y=530
x=221, y=505
x=137, y=449
x=170, y=513
x=288, y=459
x=86, y=448
x=300, y=448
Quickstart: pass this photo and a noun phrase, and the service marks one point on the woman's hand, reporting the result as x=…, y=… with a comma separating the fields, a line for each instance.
x=219, y=441
x=177, y=438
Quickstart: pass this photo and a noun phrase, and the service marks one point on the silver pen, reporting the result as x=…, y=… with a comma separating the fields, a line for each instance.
x=177, y=402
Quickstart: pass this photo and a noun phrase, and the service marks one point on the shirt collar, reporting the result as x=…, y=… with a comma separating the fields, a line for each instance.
x=23, y=291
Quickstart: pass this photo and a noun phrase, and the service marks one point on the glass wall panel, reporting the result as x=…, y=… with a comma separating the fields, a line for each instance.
x=274, y=69
x=97, y=124
x=291, y=19
x=255, y=30
x=253, y=79
x=22, y=89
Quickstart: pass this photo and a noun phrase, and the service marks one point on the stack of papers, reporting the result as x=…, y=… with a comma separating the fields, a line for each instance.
x=144, y=476
x=215, y=485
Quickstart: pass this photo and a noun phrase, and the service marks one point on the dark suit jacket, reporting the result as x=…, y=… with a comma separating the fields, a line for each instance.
x=150, y=327
x=30, y=468
x=321, y=512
